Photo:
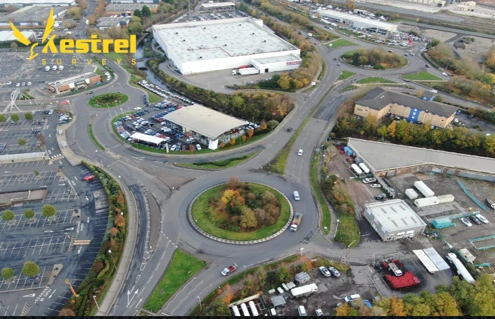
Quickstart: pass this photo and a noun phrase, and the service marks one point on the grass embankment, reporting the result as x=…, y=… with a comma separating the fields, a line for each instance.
x=374, y=79
x=182, y=267
x=340, y=43
x=221, y=164
x=108, y=100
x=345, y=74
x=201, y=210
x=93, y=138
x=422, y=76
x=118, y=58
x=349, y=88
x=326, y=217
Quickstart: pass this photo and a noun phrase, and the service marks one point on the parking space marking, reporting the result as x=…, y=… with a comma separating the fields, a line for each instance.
x=35, y=247
x=63, y=217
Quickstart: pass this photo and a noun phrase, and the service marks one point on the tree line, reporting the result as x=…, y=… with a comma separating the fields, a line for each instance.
x=458, y=299
x=311, y=61
x=250, y=106
x=458, y=139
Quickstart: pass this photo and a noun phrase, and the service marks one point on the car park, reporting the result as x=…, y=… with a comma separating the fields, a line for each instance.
x=466, y=222
x=325, y=272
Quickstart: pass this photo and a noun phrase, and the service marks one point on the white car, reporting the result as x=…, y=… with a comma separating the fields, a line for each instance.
x=433, y=91
x=445, y=74
x=173, y=147
x=300, y=152
x=325, y=272
x=375, y=185
x=369, y=180
x=466, y=222
x=482, y=218
x=198, y=147
x=319, y=313
x=18, y=84
x=29, y=83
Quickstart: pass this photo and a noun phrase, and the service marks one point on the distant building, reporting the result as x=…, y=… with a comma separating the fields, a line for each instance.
x=133, y=1
x=31, y=17
x=110, y=22
x=8, y=36
x=428, y=96
x=393, y=219
x=379, y=102
x=74, y=83
x=357, y=22
x=127, y=9
x=40, y=3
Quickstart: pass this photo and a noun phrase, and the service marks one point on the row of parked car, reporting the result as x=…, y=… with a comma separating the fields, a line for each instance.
x=163, y=92
x=477, y=219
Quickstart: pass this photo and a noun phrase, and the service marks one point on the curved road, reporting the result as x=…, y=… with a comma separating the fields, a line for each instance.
x=175, y=187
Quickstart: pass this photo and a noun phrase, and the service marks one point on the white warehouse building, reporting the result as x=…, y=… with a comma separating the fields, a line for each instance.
x=205, y=46
x=358, y=22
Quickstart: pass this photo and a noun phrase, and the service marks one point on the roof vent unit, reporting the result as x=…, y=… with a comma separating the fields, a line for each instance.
x=176, y=32
x=264, y=41
x=224, y=45
x=200, y=57
x=204, y=28
x=252, y=33
x=183, y=40
x=239, y=24
x=214, y=37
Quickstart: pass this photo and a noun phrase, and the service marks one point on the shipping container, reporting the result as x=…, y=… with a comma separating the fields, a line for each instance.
x=449, y=198
x=423, y=189
x=356, y=169
x=248, y=71
x=411, y=193
x=428, y=201
x=304, y=290
x=364, y=168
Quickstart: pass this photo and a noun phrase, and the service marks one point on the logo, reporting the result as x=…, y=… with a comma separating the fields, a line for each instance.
x=70, y=46
x=293, y=62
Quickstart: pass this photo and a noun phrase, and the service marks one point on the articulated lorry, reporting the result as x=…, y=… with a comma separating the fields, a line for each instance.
x=461, y=269
x=296, y=221
x=245, y=71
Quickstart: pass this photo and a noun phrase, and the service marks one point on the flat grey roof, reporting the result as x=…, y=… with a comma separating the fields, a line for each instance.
x=205, y=40
x=378, y=98
x=384, y=156
x=354, y=18
x=38, y=2
x=218, y=4
x=111, y=21
x=204, y=121
x=73, y=79
x=395, y=215
x=9, y=35
x=32, y=13
x=284, y=58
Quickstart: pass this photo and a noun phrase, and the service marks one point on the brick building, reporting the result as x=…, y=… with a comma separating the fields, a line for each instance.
x=74, y=83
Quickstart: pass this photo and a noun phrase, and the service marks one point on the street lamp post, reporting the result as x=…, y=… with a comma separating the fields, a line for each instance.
x=301, y=250
x=97, y=306
x=200, y=308
x=336, y=228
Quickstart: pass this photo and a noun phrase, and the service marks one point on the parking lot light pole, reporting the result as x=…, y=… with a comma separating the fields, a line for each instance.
x=200, y=308
x=302, y=248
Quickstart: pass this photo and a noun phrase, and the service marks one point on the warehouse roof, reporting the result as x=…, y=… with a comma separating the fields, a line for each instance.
x=385, y=156
x=37, y=2
x=379, y=98
x=32, y=13
x=147, y=138
x=204, y=121
x=7, y=36
x=276, y=59
x=394, y=215
x=216, y=39
x=341, y=15
x=110, y=22
x=218, y=4
x=128, y=6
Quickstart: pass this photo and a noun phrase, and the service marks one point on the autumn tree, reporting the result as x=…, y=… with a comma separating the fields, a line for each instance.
x=420, y=93
x=243, y=138
x=114, y=231
x=192, y=148
x=232, y=140
x=350, y=4
x=119, y=221
x=229, y=294
x=490, y=59
x=344, y=310
x=74, y=13
x=262, y=125
x=396, y=307
x=248, y=219
x=391, y=129
x=66, y=312
x=250, y=133
x=233, y=182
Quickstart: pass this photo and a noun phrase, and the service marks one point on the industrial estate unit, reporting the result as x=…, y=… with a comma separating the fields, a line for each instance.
x=244, y=43
x=379, y=102
x=358, y=22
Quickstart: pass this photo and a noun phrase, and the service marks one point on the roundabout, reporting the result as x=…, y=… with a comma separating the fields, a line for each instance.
x=375, y=58
x=240, y=213
x=108, y=100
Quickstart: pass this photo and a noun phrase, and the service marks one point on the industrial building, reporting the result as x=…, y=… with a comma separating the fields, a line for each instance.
x=41, y=3
x=205, y=46
x=206, y=125
x=357, y=22
x=218, y=7
x=134, y=1
x=8, y=36
x=393, y=219
x=74, y=83
x=31, y=17
x=127, y=9
x=379, y=102
x=387, y=159
x=112, y=22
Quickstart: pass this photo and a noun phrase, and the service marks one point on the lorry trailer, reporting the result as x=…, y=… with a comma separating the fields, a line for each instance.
x=304, y=290
x=248, y=71
x=461, y=270
x=229, y=269
x=296, y=221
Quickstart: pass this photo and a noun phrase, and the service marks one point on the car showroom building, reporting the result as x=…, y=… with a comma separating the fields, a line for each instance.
x=205, y=46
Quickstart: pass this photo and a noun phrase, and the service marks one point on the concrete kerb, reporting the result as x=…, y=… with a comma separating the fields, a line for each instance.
x=130, y=243
x=237, y=242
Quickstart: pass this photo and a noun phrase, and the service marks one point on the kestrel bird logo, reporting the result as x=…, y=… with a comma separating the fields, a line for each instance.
x=22, y=39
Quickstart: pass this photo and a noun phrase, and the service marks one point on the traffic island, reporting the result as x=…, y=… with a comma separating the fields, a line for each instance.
x=241, y=212
x=108, y=100
x=377, y=59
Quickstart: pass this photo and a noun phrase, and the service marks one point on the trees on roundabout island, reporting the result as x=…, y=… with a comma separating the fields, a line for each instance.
x=241, y=211
x=376, y=58
x=108, y=100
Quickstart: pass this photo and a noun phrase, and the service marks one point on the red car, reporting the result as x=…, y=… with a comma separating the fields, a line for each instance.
x=89, y=178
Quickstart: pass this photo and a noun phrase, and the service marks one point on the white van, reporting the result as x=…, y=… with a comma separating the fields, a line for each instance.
x=300, y=152
x=302, y=311
x=296, y=195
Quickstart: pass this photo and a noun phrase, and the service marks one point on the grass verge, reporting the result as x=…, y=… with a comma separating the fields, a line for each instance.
x=422, y=76
x=348, y=231
x=340, y=43
x=221, y=164
x=108, y=100
x=326, y=217
x=374, y=79
x=345, y=74
x=182, y=267
x=349, y=88
x=93, y=137
x=201, y=208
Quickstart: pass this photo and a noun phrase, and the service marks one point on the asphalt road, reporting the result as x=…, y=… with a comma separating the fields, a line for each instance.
x=154, y=173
